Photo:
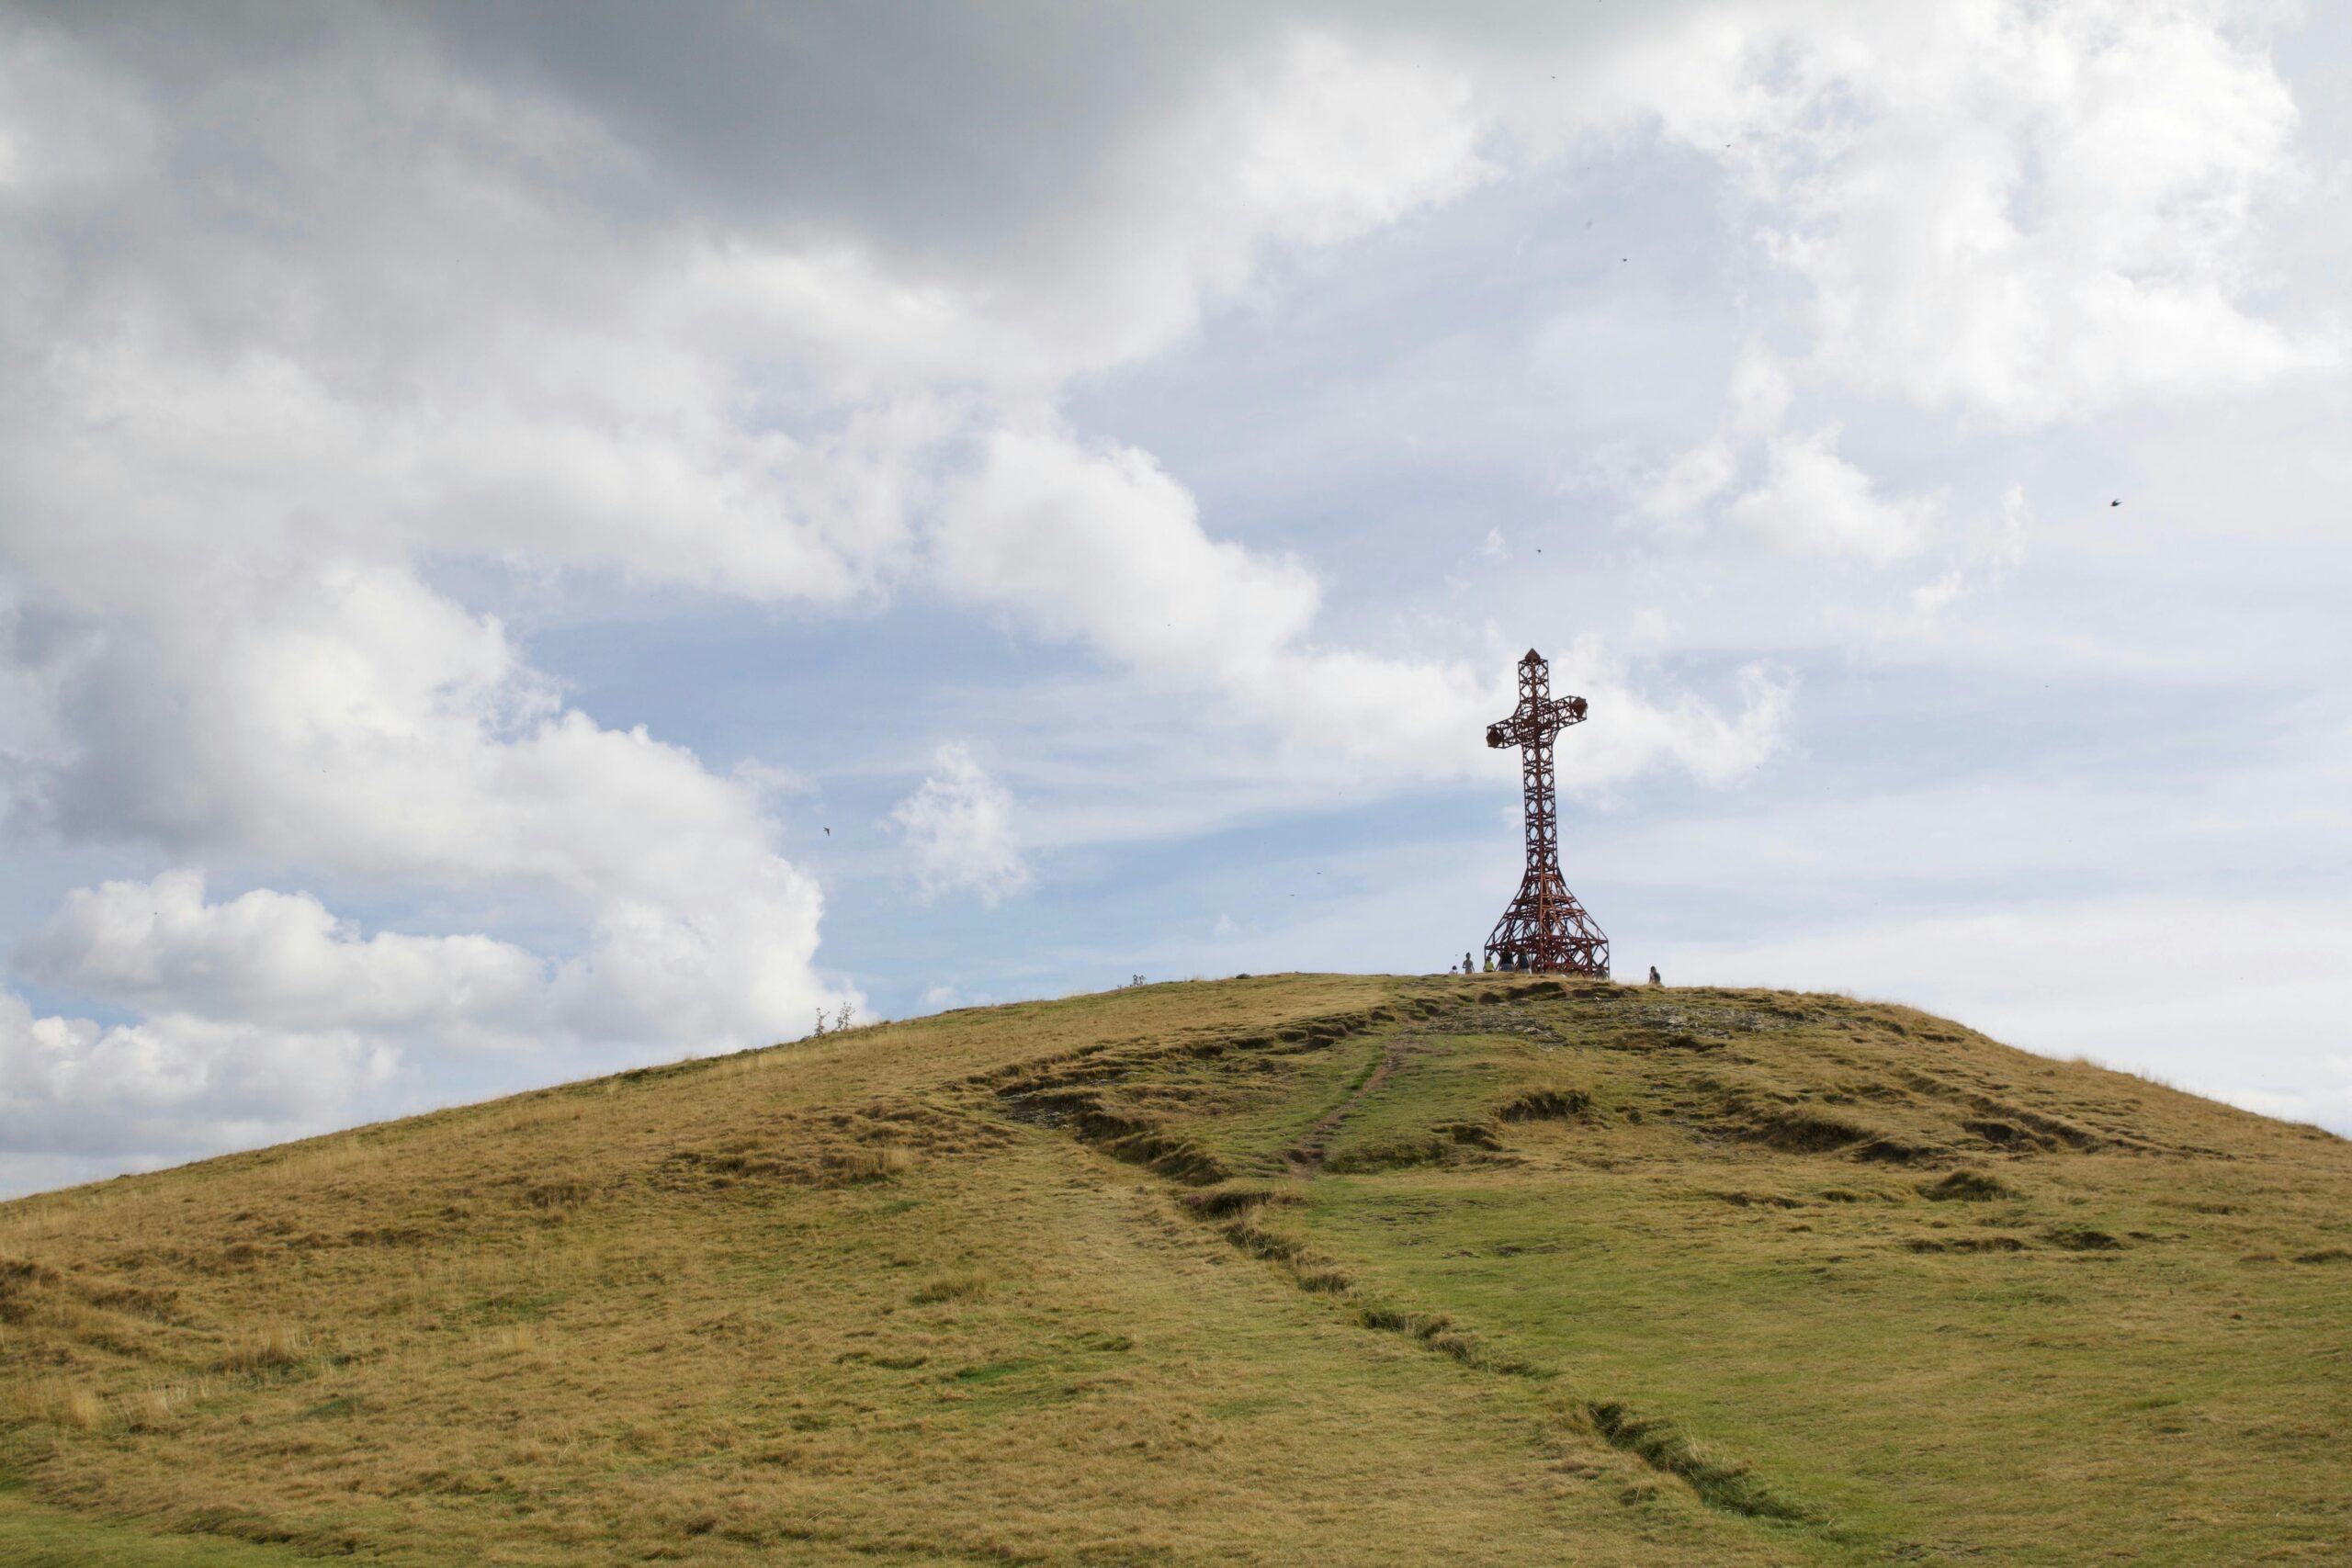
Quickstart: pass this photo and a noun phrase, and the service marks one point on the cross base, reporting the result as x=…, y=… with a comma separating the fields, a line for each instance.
x=1546, y=929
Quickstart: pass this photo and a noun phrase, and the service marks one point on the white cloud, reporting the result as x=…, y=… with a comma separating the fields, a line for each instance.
x=759, y=415
x=2032, y=212
x=345, y=717
x=1676, y=495
x=265, y=1015
x=277, y=959
x=2033, y=215
x=1099, y=544
x=959, y=831
x=169, y=1087
x=1633, y=731
x=1813, y=500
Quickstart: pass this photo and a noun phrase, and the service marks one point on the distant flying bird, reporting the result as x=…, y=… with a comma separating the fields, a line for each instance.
x=829, y=832
x=2115, y=504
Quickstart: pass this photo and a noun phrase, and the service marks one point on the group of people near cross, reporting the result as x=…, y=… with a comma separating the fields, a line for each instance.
x=1520, y=963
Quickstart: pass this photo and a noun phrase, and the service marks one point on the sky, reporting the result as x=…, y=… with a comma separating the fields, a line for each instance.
x=543, y=539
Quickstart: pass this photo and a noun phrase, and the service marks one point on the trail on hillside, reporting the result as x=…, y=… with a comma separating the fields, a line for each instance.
x=1306, y=1157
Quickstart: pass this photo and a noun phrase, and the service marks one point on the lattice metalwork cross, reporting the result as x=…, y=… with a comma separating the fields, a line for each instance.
x=1544, y=929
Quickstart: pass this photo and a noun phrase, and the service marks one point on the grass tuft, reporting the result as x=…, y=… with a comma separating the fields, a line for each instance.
x=1967, y=1185
x=877, y=1164
x=951, y=1288
x=2082, y=1238
x=272, y=1348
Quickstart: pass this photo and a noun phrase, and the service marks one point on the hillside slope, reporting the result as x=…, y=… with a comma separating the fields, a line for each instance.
x=1342, y=1270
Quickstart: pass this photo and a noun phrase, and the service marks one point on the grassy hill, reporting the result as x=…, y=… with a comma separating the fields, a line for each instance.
x=1339, y=1269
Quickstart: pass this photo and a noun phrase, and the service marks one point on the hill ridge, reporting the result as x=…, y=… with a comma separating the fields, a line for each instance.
x=1368, y=1269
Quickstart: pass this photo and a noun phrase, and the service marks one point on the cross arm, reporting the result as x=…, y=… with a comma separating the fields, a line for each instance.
x=1535, y=726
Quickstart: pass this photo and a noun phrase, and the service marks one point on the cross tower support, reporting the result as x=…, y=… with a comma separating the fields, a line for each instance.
x=1544, y=929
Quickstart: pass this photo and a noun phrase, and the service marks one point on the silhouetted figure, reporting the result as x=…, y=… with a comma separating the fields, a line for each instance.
x=1654, y=979
x=1467, y=967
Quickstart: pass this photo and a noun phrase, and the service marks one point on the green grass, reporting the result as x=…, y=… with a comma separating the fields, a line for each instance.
x=33, y=1535
x=1296, y=1268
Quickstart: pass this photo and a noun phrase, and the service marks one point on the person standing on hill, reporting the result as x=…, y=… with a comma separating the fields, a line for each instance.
x=1654, y=979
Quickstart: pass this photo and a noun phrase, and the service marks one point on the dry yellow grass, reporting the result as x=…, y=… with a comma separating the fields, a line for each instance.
x=1298, y=1269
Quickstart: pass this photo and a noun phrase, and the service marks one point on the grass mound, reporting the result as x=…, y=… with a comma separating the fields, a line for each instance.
x=1967, y=1185
x=1290, y=1269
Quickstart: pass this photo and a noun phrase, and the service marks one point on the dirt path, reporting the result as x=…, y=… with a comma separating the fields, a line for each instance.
x=1306, y=1156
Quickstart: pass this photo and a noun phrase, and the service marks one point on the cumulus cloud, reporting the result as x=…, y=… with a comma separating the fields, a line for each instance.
x=346, y=718
x=264, y=1015
x=1096, y=543
x=1812, y=500
x=76, y=1096
x=959, y=832
x=278, y=960
x=289, y=321
x=731, y=408
x=2030, y=215
x=2032, y=212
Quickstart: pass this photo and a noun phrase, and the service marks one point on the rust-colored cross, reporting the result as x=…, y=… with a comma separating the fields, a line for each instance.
x=1544, y=929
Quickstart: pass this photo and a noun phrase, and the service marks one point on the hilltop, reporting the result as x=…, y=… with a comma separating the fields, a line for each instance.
x=1300, y=1269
